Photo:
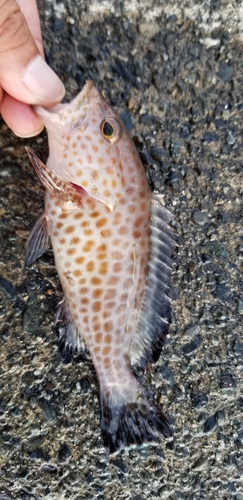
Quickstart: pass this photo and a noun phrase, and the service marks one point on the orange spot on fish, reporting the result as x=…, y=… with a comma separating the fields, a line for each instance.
x=105, y=233
x=117, y=218
x=96, y=306
x=102, y=256
x=117, y=267
x=71, y=251
x=101, y=160
x=90, y=266
x=98, y=338
x=103, y=268
x=106, y=351
x=78, y=215
x=113, y=280
x=108, y=326
x=62, y=241
x=102, y=248
x=95, y=174
x=97, y=293
x=75, y=240
x=101, y=222
x=122, y=230
x=59, y=224
x=113, y=160
x=107, y=363
x=80, y=260
x=95, y=280
x=110, y=305
x=77, y=272
x=107, y=339
x=88, y=246
x=131, y=209
x=110, y=294
x=85, y=223
x=116, y=255
x=69, y=229
x=95, y=214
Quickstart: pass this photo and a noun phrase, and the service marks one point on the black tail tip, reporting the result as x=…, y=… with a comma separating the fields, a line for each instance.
x=132, y=424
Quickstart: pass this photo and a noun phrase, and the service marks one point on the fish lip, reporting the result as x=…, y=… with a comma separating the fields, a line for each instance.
x=88, y=95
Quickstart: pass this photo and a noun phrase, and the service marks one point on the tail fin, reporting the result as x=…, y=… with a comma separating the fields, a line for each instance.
x=132, y=423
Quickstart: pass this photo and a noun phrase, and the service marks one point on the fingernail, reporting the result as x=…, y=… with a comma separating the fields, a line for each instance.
x=42, y=82
x=32, y=133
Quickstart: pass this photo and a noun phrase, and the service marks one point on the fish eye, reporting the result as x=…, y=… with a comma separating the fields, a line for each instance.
x=111, y=130
x=108, y=130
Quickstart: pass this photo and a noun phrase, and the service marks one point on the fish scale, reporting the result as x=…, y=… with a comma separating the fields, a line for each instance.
x=101, y=218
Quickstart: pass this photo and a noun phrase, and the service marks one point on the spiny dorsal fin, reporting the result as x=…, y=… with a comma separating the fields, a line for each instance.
x=155, y=313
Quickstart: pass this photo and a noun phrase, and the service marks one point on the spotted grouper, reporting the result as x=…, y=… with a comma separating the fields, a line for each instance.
x=112, y=245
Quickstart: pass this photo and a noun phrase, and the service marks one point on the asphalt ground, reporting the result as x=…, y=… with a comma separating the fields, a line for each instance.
x=174, y=72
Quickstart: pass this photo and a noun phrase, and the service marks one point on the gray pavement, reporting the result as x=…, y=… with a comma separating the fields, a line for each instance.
x=174, y=71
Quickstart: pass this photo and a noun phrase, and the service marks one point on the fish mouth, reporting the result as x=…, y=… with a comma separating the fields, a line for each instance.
x=64, y=114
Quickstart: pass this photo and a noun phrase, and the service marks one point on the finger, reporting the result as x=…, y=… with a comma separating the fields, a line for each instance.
x=23, y=72
x=20, y=117
x=30, y=12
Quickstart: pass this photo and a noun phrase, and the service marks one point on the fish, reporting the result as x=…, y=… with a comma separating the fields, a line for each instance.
x=112, y=243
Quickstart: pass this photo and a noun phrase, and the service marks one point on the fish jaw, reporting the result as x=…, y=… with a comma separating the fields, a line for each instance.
x=80, y=152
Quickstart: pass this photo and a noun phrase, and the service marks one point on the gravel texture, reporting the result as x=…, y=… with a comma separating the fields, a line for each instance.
x=173, y=70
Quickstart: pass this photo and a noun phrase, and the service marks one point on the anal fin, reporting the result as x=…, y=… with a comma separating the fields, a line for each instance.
x=71, y=345
x=38, y=240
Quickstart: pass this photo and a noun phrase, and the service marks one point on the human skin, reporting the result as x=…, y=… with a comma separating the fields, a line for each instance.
x=25, y=77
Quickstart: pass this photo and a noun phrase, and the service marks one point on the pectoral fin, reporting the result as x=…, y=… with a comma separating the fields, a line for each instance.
x=62, y=190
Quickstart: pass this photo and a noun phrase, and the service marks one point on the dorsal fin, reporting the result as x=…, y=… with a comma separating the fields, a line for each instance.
x=155, y=313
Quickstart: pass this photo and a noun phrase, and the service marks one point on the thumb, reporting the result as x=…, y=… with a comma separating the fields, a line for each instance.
x=24, y=73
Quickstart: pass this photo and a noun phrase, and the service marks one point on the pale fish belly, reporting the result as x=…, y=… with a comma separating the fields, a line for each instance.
x=101, y=258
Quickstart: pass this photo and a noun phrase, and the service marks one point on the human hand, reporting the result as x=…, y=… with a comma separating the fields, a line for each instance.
x=25, y=77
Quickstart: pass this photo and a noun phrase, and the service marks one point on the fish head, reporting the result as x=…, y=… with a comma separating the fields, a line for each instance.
x=88, y=143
